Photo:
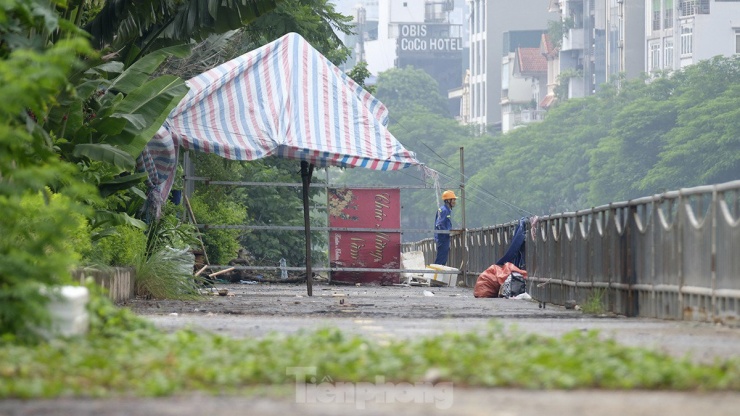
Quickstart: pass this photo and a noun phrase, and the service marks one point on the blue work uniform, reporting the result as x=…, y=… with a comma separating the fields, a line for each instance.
x=443, y=221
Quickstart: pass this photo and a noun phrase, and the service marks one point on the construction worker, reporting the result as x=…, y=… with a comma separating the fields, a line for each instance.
x=443, y=221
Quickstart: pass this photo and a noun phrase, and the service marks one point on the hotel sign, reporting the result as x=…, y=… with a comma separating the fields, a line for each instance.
x=417, y=37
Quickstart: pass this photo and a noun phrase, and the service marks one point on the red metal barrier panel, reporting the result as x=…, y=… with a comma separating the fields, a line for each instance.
x=370, y=209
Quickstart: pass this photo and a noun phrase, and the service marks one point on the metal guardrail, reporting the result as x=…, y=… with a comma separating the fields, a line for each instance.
x=674, y=255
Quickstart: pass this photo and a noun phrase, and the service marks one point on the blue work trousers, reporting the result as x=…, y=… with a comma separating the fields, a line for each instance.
x=443, y=249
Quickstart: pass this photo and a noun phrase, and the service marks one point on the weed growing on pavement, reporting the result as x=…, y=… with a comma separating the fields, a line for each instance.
x=594, y=303
x=125, y=355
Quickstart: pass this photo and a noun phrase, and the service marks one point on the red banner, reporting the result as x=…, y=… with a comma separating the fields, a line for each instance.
x=368, y=209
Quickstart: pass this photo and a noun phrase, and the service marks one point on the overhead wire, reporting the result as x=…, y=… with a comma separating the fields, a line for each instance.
x=442, y=160
x=485, y=191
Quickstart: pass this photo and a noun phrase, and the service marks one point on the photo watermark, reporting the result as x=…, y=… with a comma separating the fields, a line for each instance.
x=310, y=390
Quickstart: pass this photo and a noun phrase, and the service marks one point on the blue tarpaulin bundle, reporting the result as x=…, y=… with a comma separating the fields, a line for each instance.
x=515, y=253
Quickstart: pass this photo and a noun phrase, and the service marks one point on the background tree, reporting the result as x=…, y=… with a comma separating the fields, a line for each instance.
x=360, y=74
x=314, y=20
x=255, y=205
x=410, y=90
x=419, y=120
x=650, y=135
x=133, y=28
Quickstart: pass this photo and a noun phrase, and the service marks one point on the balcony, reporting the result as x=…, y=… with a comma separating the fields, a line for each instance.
x=527, y=117
x=688, y=8
x=573, y=40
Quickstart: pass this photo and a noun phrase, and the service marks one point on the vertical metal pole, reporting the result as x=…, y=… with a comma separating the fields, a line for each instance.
x=464, y=235
x=306, y=172
x=189, y=170
x=328, y=220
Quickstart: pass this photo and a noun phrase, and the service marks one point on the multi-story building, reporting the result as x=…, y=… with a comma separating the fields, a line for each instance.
x=489, y=20
x=684, y=32
x=600, y=39
x=426, y=34
x=523, y=79
x=552, y=56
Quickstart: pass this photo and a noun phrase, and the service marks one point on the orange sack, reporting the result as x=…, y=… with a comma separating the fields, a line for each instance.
x=489, y=282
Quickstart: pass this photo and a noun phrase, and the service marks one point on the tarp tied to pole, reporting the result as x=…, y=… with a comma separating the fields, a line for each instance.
x=284, y=99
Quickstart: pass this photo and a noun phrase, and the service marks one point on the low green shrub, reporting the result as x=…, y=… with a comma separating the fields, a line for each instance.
x=43, y=234
x=222, y=245
x=120, y=248
x=166, y=273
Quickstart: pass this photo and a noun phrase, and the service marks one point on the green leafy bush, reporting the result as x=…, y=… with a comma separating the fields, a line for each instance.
x=37, y=244
x=222, y=245
x=120, y=248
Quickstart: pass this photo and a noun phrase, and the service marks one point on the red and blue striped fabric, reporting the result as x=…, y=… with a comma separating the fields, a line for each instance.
x=283, y=99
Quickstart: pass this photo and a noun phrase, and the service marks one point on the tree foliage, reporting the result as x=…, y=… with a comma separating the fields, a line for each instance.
x=409, y=90
x=314, y=20
x=41, y=200
x=132, y=28
x=650, y=135
x=417, y=121
x=256, y=205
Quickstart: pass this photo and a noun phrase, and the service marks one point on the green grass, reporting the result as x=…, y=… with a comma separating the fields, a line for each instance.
x=124, y=355
x=594, y=304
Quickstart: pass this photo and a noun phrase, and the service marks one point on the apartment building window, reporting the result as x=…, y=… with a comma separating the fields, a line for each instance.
x=687, y=40
x=668, y=54
x=668, y=14
x=737, y=40
x=654, y=57
x=687, y=8
x=656, y=14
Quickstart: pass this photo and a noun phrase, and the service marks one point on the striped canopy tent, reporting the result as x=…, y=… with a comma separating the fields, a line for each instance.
x=284, y=99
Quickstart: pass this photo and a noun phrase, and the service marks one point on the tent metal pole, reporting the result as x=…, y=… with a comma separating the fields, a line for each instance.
x=464, y=234
x=306, y=173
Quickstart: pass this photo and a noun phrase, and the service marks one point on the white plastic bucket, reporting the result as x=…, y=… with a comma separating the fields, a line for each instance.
x=68, y=310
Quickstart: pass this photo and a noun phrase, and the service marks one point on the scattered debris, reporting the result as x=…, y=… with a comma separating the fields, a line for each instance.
x=570, y=304
x=223, y=292
x=428, y=293
x=221, y=272
x=201, y=270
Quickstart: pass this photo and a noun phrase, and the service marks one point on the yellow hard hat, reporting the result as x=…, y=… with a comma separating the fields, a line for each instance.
x=448, y=195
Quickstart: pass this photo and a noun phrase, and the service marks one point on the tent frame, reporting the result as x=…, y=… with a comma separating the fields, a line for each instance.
x=307, y=170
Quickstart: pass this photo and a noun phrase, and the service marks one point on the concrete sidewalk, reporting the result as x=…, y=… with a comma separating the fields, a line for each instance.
x=383, y=312
x=460, y=401
x=399, y=313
